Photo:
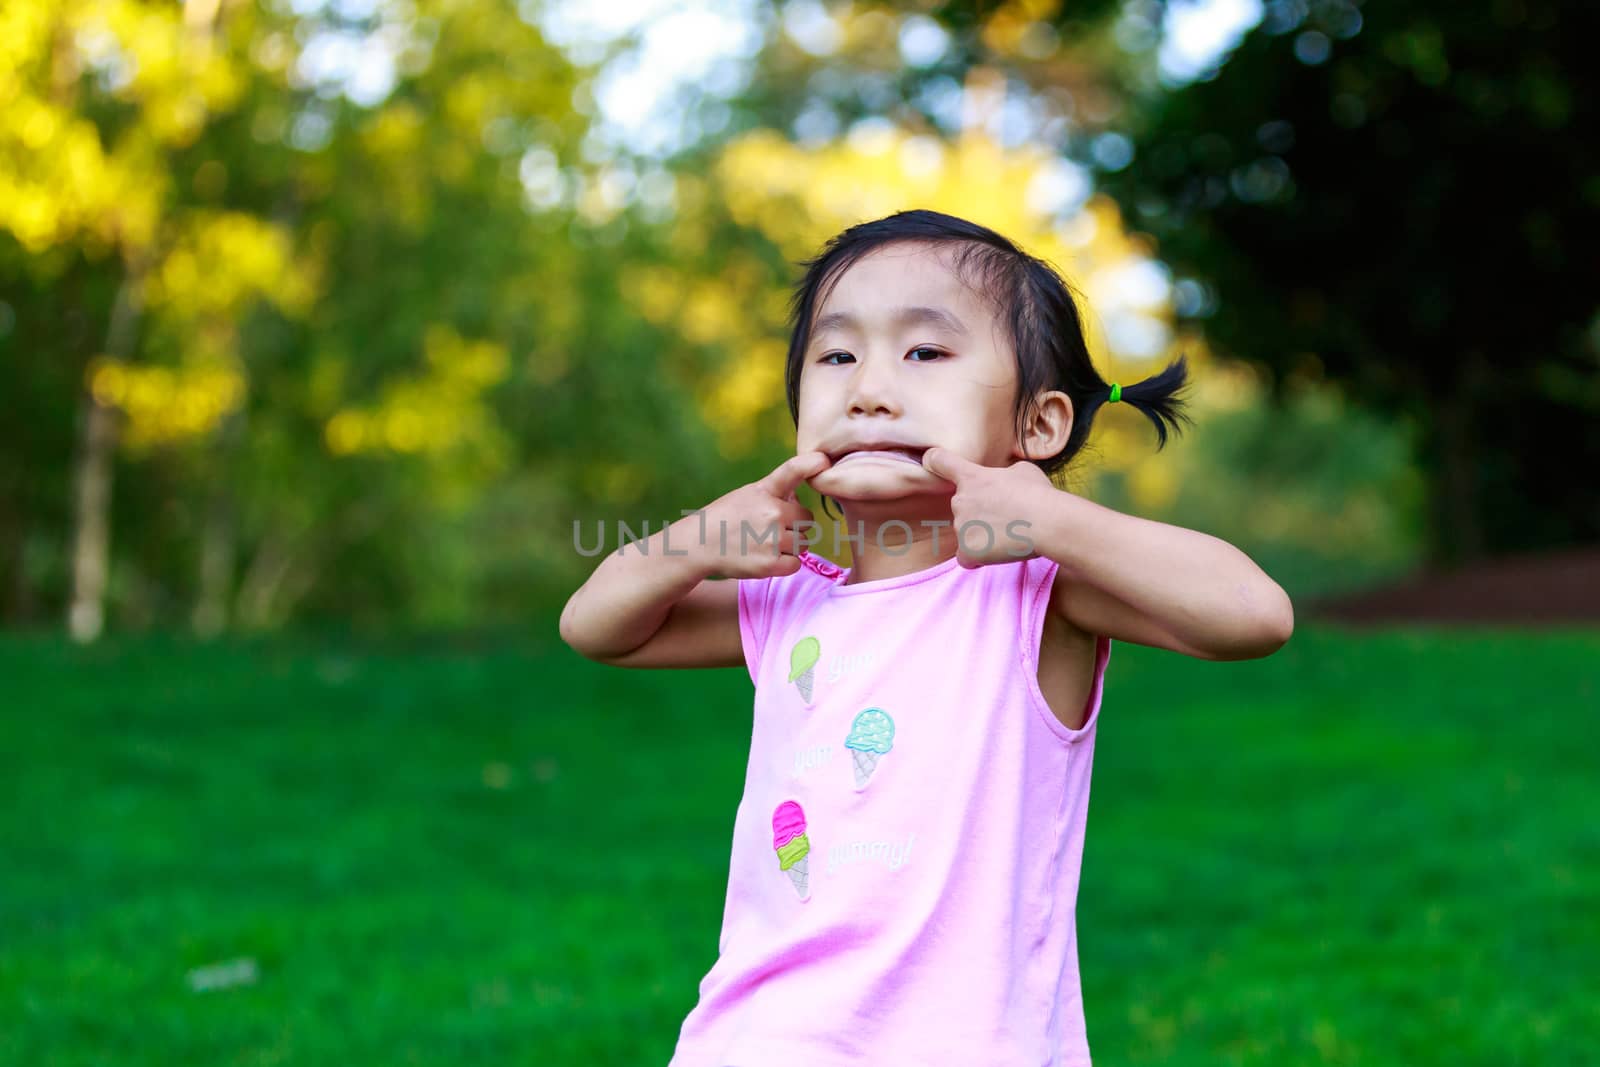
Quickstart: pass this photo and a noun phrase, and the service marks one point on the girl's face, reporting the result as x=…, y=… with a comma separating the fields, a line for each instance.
x=903, y=357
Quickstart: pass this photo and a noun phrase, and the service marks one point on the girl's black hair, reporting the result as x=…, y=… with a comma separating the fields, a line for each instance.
x=1037, y=306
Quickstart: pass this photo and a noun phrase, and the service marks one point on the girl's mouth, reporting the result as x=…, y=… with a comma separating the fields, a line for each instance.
x=912, y=456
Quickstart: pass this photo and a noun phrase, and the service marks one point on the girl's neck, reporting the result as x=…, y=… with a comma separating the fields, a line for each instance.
x=891, y=538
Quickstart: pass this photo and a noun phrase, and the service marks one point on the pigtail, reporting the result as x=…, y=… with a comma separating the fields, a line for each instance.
x=1162, y=399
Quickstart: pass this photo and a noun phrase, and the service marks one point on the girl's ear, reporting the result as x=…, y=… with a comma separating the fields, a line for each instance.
x=1048, y=427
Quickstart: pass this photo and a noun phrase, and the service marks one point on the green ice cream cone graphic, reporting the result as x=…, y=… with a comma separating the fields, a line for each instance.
x=803, y=665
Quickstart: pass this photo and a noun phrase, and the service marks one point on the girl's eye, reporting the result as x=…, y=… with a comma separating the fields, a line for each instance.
x=934, y=354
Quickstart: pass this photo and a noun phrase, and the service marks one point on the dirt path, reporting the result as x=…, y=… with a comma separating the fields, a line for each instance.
x=1548, y=587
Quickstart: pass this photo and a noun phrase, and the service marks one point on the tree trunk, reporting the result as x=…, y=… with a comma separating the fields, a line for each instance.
x=219, y=536
x=97, y=446
x=277, y=566
x=91, y=542
x=210, y=616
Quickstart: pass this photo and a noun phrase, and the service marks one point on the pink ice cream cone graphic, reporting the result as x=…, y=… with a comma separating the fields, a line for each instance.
x=871, y=738
x=793, y=848
x=803, y=665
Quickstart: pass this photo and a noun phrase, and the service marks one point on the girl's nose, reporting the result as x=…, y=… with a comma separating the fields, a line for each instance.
x=872, y=390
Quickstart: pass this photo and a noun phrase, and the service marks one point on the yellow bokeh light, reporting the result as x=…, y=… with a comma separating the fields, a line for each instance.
x=346, y=432
x=166, y=404
x=403, y=430
x=1153, y=486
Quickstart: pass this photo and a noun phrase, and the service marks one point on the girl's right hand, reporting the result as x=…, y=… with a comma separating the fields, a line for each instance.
x=756, y=530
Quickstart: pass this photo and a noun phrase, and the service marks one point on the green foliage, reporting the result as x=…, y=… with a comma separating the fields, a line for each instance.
x=1399, y=197
x=317, y=280
x=384, y=352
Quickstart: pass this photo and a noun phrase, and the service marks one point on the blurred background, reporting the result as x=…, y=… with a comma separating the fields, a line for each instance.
x=326, y=324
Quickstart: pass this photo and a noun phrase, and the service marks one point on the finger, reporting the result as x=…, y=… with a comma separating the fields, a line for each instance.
x=790, y=543
x=777, y=538
x=806, y=534
x=947, y=464
x=816, y=465
x=779, y=531
x=788, y=475
x=782, y=566
x=795, y=513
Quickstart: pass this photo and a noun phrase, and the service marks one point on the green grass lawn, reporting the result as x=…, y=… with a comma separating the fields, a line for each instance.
x=1362, y=850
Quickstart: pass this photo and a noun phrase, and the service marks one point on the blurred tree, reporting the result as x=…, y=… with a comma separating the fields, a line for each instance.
x=250, y=280
x=356, y=340
x=369, y=315
x=97, y=99
x=444, y=295
x=1403, y=198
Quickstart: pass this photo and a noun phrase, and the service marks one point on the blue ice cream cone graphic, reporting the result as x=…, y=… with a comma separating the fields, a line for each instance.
x=871, y=738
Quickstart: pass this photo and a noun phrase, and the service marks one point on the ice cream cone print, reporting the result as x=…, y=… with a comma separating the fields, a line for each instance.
x=800, y=875
x=803, y=665
x=871, y=738
x=865, y=763
x=790, y=842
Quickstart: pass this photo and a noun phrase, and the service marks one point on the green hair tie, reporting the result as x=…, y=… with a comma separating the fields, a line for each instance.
x=1116, y=393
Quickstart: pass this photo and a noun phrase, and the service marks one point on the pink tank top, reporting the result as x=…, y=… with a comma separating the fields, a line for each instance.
x=904, y=878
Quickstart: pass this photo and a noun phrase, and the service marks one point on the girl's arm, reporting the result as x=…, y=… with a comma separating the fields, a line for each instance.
x=1132, y=579
x=644, y=608
x=1156, y=584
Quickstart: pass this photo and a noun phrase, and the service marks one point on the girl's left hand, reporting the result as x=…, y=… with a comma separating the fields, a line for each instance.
x=993, y=508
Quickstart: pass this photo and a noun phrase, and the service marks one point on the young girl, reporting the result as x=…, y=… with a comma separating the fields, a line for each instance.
x=904, y=877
